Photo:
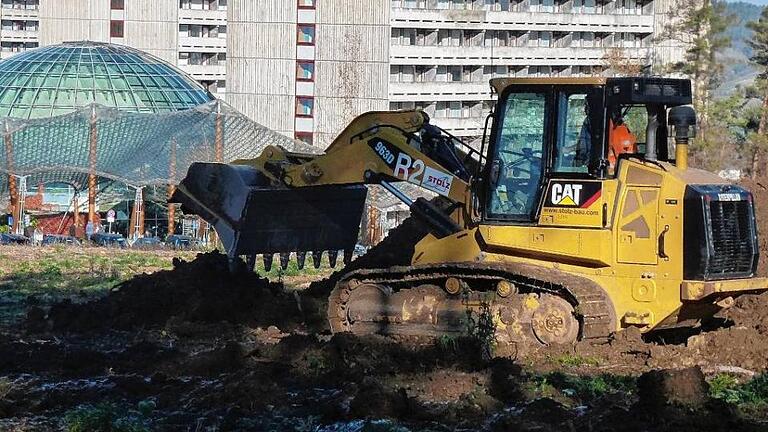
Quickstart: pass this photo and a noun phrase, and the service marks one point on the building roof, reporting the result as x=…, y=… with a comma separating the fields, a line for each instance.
x=58, y=79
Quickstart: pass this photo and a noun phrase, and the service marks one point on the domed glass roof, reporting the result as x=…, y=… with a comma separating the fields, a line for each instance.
x=58, y=79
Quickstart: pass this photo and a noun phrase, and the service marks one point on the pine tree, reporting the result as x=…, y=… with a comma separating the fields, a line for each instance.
x=699, y=25
x=759, y=45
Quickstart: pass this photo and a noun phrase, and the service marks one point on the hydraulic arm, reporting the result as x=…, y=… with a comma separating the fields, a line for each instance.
x=285, y=202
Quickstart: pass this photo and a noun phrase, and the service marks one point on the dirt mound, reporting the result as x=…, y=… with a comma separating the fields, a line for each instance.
x=685, y=387
x=203, y=290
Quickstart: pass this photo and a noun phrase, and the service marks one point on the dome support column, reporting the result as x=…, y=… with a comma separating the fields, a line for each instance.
x=172, y=188
x=12, y=186
x=136, y=228
x=218, y=142
x=18, y=215
x=92, y=160
x=76, y=211
x=218, y=135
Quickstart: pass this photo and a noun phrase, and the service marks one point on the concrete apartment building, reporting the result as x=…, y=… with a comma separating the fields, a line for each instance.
x=443, y=52
x=306, y=67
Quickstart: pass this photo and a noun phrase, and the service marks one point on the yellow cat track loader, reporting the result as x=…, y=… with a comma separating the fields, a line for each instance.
x=577, y=218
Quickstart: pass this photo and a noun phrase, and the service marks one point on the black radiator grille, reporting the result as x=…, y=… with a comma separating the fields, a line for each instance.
x=732, y=237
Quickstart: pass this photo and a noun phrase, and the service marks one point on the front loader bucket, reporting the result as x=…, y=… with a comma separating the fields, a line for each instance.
x=252, y=217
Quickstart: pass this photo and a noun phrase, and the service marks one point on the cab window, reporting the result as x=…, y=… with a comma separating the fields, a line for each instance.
x=516, y=162
x=574, y=141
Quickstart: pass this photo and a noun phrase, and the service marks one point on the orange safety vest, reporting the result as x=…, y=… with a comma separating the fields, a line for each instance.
x=620, y=140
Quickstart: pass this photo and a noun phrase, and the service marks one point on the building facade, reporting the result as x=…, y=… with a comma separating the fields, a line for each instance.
x=444, y=52
x=20, y=25
x=307, y=67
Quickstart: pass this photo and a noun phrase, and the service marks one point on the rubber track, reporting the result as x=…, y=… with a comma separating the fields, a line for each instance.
x=590, y=301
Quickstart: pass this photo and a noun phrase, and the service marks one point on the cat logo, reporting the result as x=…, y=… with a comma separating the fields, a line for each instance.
x=573, y=194
x=566, y=194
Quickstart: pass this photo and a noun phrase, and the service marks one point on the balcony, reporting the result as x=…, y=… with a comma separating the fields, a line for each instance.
x=20, y=14
x=194, y=16
x=19, y=35
x=507, y=56
x=462, y=127
x=439, y=91
x=521, y=21
x=203, y=44
x=206, y=72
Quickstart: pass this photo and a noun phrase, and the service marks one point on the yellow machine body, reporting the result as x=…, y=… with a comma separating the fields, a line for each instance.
x=586, y=246
x=622, y=256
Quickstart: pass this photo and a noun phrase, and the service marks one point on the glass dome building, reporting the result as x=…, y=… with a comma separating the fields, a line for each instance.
x=59, y=79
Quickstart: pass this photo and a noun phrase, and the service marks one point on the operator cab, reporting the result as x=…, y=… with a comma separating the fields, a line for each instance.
x=574, y=129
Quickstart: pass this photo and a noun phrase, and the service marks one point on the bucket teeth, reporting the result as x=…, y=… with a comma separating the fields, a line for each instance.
x=332, y=257
x=268, y=258
x=348, y=256
x=301, y=259
x=317, y=257
x=285, y=258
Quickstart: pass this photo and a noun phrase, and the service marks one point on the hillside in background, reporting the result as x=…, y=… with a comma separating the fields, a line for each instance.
x=738, y=71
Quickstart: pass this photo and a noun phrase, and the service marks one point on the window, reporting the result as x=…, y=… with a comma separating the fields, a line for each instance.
x=116, y=28
x=455, y=73
x=545, y=38
x=306, y=34
x=395, y=40
x=305, y=106
x=533, y=39
x=407, y=73
x=306, y=4
x=517, y=158
x=572, y=151
x=305, y=137
x=454, y=109
x=118, y=4
x=305, y=71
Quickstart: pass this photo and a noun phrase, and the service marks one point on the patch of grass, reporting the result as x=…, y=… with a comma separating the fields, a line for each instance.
x=51, y=274
x=724, y=386
x=447, y=343
x=5, y=388
x=316, y=361
x=583, y=388
x=482, y=328
x=751, y=395
x=105, y=417
x=276, y=272
x=575, y=360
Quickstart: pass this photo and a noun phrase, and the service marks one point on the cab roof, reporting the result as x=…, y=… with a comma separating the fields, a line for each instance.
x=499, y=84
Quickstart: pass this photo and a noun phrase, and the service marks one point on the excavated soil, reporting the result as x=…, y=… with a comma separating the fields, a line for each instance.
x=213, y=351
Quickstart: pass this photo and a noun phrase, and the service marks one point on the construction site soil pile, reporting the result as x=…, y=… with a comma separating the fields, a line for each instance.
x=203, y=290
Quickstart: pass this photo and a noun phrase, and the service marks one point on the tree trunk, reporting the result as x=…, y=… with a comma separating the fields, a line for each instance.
x=761, y=129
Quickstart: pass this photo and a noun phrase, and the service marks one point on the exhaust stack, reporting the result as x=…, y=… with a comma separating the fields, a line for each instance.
x=682, y=122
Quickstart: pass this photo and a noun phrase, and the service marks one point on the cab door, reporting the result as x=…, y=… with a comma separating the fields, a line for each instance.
x=516, y=169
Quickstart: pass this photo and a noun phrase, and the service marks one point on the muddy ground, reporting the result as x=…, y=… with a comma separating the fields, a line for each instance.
x=195, y=348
